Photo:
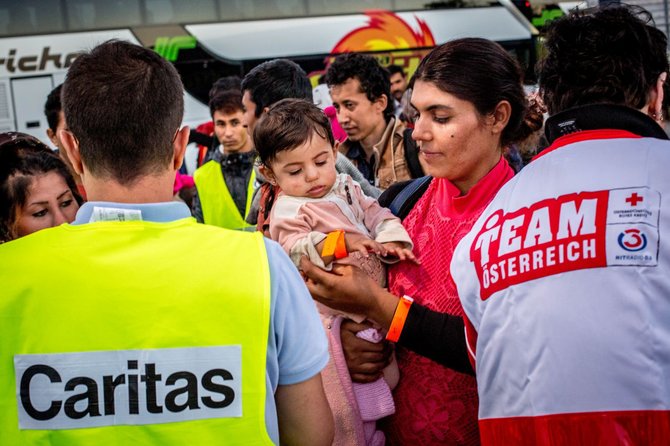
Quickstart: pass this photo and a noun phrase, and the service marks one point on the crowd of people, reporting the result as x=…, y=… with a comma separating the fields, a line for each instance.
x=465, y=294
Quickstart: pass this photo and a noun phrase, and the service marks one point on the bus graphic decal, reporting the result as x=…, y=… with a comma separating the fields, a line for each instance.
x=385, y=31
x=168, y=47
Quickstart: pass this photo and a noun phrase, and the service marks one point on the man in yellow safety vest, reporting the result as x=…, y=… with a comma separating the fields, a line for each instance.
x=226, y=183
x=102, y=343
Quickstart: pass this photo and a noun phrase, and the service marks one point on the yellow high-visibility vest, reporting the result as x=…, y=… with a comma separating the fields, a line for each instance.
x=107, y=340
x=218, y=206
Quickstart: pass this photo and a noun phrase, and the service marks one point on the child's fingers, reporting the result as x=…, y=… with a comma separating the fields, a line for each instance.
x=377, y=248
x=412, y=257
x=362, y=248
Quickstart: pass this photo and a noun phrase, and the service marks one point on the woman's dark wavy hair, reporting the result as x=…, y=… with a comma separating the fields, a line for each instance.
x=603, y=55
x=481, y=72
x=23, y=157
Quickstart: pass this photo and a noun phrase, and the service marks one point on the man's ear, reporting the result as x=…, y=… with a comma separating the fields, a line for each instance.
x=71, y=147
x=381, y=102
x=500, y=116
x=655, y=104
x=179, y=146
x=52, y=137
x=268, y=173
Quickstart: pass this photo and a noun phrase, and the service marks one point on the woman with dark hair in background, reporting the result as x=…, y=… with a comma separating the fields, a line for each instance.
x=470, y=106
x=37, y=190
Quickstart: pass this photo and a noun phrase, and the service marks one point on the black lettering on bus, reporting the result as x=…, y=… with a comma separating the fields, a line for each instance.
x=69, y=59
x=10, y=61
x=24, y=61
x=46, y=57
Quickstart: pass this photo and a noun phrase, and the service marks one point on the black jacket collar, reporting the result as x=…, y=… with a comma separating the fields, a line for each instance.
x=601, y=116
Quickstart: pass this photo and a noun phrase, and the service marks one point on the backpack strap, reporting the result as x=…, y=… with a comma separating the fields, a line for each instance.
x=412, y=154
x=403, y=203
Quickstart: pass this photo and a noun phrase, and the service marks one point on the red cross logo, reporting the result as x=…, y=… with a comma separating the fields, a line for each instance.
x=634, y=199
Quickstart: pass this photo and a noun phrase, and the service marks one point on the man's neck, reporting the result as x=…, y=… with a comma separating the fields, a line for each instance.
x=148, y=189
x=368, y=143
x=246, y=149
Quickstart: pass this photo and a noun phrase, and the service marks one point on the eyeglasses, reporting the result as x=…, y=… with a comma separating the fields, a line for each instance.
x=14, y=139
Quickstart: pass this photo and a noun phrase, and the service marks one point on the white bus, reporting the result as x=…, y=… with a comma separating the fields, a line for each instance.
x=207, y=39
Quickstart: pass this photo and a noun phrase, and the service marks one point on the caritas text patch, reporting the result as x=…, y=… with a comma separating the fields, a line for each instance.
x=105, y=388
x=576, y=231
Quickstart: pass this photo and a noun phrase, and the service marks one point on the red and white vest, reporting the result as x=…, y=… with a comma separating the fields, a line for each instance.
x=565, y=280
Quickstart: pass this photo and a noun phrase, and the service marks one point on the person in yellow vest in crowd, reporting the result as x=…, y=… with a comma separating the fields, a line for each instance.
x=226, y=183
x=107, y=346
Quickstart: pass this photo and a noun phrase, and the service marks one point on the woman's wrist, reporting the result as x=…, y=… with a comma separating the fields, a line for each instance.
x=399, y=318
x=384, y=308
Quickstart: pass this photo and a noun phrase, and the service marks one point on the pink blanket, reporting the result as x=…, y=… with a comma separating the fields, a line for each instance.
x=356, y=407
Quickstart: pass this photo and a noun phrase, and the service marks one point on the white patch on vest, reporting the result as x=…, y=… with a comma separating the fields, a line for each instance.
x=128, y=387
x=114, y=214
x=632, y=231
x=571, y=232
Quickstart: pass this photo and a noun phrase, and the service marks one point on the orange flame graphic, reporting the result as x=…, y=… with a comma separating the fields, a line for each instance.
x=385, y=31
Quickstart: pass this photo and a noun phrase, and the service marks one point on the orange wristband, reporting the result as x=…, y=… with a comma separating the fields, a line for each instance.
x=334, y=245
x=399, y=318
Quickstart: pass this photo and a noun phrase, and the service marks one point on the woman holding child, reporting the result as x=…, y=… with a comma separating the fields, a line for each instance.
x=471, y=105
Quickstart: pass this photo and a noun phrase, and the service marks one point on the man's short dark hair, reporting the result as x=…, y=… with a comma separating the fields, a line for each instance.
x=373, y=78
x=228, y=101
x=275, y=80
x=124, y=103
x=52, y=107
x=395, y=69
x=225, y=83
x=610, y=55
x=288, y=124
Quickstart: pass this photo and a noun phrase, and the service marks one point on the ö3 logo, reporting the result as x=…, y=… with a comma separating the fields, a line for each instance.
x=632, y=240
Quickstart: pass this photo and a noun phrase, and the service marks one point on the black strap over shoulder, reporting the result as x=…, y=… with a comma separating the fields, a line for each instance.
x=412, y=154
x=401, y=197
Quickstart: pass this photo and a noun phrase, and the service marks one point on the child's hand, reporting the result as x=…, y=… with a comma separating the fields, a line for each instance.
x=398, y=250
x=364, y=245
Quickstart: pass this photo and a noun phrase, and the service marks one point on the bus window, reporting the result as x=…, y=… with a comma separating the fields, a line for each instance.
x=30, y=17
x=96, y=14
x=260, y=9
x=317, y=7
x=160, y=12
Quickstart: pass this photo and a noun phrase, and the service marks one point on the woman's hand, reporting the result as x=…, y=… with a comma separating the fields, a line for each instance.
x=348, y=288
x=365, y=360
